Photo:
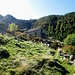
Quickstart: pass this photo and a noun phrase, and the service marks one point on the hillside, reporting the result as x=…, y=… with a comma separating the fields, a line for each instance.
x=58, y=26
x=3, y=27
x=19, y=57
x=1, y=17
x=22, y=24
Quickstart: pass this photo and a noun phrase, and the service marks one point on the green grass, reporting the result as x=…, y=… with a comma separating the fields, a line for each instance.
x=28, y=57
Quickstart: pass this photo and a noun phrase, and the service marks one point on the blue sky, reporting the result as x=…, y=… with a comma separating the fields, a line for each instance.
x=34, y=9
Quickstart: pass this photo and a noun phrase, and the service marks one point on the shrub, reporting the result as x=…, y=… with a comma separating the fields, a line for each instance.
x=3, y=39
x=70, y=39
x=13, y=27
x=21, y=35
x=69, y=49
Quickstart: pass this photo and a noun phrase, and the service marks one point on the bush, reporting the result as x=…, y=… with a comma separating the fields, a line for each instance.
x=69, y=49
x=21, y=35
x=3, y=39
x=70, y=40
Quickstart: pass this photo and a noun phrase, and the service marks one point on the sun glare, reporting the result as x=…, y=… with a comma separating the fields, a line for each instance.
x=17, y=8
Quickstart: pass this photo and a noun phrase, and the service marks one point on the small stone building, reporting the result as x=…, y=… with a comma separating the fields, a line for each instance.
x=38, y=31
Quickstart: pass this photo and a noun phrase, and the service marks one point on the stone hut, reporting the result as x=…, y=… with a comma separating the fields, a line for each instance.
x=38, y=31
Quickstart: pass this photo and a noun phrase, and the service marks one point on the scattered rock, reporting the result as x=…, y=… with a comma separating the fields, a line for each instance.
x=4, y=53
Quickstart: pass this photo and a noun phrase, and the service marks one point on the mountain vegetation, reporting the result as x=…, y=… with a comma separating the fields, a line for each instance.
x=69, y=43
x=58, y=26
x=70, y=40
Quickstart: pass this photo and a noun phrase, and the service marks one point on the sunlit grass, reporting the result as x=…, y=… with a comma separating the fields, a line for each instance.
x=26, y=56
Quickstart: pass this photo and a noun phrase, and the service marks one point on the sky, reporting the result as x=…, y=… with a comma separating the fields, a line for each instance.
x=35, y=9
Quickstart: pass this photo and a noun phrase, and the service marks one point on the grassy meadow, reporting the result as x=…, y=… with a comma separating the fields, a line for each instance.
x=28, y=58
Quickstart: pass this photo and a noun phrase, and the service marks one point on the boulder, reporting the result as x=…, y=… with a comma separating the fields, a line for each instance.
x=4, y=53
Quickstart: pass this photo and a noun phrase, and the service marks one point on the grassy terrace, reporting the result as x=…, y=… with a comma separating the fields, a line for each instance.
x=27, y=58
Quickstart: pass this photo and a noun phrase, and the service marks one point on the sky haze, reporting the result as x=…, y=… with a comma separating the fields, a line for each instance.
x=34, y=9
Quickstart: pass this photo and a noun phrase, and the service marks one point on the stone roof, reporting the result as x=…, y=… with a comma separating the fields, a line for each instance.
x=33, y=29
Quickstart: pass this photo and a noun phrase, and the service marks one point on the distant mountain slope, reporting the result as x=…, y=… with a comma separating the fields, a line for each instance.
x=22, y=24
x=3, y=27
x=1, y=17
x=8, y=19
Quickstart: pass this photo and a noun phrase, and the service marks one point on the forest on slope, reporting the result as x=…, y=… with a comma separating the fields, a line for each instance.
x=58, y=26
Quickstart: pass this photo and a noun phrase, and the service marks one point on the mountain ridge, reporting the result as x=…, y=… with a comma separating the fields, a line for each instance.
x=8, y=19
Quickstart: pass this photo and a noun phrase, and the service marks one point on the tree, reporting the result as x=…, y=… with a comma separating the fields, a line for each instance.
x=12, y=27
x=70, y=40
